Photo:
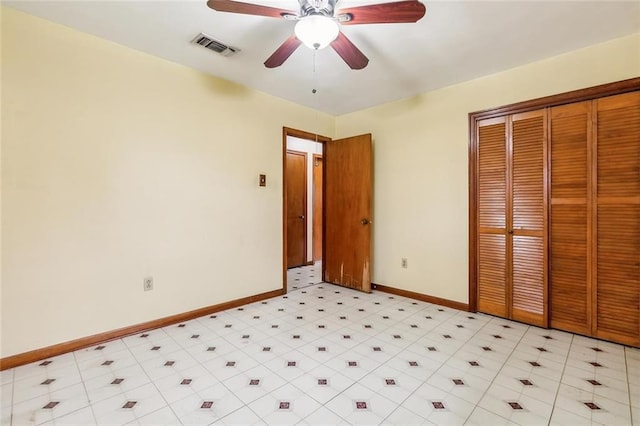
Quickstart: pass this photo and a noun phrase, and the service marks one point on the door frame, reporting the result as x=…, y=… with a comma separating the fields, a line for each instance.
x=312, y=137
x=314, y=158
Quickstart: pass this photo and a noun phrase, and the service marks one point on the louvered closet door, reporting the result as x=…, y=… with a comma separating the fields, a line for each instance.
x=492, y=216
x=617, y=245
x=570, y=276
x=527, y=224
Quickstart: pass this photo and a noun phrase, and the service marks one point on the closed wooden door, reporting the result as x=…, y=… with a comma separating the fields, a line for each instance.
x=617, y=227
x=571, y=218
x=527, y=218
x=317, y=207
x=492, y=216
x=347, y=204
x=296, y=192
x=511, y=241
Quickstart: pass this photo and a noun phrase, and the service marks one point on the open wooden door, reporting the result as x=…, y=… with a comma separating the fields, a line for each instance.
x=347, y=207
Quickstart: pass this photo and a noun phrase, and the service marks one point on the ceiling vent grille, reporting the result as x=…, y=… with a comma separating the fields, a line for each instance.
x=215, y=45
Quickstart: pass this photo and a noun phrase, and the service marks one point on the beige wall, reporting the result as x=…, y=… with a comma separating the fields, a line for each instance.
x=420, y=157
x=117, y=165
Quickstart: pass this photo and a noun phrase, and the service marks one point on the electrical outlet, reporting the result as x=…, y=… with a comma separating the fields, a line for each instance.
x=148, y=283
x=405, y=264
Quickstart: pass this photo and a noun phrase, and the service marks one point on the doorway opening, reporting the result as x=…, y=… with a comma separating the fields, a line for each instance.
x=303, y=167
x=342, y=249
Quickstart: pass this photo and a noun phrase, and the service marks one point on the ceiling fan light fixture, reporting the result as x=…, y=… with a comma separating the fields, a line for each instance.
x=316, y=31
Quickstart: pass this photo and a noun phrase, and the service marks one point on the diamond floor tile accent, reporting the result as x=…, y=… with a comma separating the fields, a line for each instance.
x=51, y=405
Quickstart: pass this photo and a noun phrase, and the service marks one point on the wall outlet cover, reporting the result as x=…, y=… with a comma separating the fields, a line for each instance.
x=148, y=283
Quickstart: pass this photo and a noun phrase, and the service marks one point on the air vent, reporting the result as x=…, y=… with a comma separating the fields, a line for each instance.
x=215, y=45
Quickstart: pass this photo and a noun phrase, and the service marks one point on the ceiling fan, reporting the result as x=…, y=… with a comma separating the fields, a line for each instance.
x=318, y=24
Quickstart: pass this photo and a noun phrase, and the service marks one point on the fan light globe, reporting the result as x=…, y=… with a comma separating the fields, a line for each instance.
x=316, y=31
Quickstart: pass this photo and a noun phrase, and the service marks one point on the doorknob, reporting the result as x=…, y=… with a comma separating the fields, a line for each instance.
x=301, y=217
x=365, y=221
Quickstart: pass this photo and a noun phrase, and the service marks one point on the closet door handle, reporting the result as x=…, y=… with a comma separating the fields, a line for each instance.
x=510, y=231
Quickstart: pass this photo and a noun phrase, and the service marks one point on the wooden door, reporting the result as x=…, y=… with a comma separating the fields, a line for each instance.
x=347, y=203
x=571, y=218
x=296, y=193
x=527, y=218
x=492, y=216
x=512, y=226
x=317, y=207
x=617, y=227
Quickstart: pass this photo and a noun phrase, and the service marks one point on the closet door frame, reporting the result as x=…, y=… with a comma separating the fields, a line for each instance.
x=610, y=89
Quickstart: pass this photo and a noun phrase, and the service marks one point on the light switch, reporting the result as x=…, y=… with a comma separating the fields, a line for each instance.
x=263, y=180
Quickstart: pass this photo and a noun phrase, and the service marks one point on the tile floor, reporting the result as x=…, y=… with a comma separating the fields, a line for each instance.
x=329, y=355
x=304, y=276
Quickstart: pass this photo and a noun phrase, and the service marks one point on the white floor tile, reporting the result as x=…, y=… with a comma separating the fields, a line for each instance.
x=36, y=384
x=241, y=417
x=6, y=406
x=161, y=417
x=635, y=413
x=81, y=417
x=253, y=384
x=482, y=417
x=464, y=386
x=287, y=405
x=180, y=385
x=499, y=400
x=409, y=363
x=115, y=383
x=562, y=417
x=607, y=412
x=323, y=416
x=206, y=405
x=385, y=360
x=128, y=406
x=402, y=416
x=353, y=365
x=323, y=383
x=438, y=406
x=391, y=383
x=58, y=403
x=6, y=376
x=360, y=405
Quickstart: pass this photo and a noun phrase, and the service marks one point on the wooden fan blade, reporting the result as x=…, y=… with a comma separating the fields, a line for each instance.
x=283, y=52
x=384, y=13
x=349, y=52
x=248, y=9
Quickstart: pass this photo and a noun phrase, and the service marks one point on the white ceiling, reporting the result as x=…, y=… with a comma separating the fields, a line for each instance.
x=456, y=41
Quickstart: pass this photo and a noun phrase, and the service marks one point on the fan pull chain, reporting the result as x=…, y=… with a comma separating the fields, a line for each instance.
x=314, y=79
